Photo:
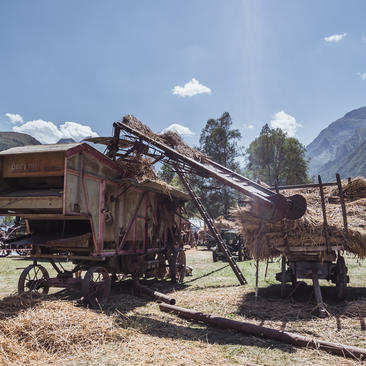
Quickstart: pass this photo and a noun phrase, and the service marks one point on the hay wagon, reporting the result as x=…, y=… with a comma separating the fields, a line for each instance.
x=313, y=261
x=82, y=207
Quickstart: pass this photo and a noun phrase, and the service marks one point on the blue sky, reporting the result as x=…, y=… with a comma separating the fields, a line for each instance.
x=90, y=62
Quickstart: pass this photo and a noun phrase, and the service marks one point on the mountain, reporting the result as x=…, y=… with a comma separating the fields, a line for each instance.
x=340, y=148
x=13, y=139
x=66, y=141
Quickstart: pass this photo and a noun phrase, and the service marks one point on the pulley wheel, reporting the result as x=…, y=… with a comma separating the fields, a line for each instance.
x=280, y=207
x=297, y=207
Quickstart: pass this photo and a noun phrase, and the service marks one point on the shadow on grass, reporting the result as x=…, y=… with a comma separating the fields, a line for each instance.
x=199, y=332
x=298, y=305
x=121, y=297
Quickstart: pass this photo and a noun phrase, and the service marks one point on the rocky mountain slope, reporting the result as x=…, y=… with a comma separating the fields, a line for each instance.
x=12, y=139
x=341, y=147
x=65, y=141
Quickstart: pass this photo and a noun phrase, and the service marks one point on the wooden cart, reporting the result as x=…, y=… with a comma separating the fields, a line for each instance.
x=316, y=262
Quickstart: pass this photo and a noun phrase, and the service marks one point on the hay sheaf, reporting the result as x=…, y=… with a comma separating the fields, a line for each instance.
x=169, y=138
x=353, y=190
x=139, y=168
x=267, y=240
x=40, y=330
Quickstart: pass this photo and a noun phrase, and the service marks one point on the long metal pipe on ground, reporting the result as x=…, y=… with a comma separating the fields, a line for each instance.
x=155, y=294
x=270, y=333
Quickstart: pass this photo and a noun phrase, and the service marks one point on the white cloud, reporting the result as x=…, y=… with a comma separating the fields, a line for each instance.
x=335, y=37
x=193, y=87
x=362, y=75
x=363, y=39
x=48, y=133
x=251, y=126
x=76, y=131
x=179, y=129
x=286, y=123
x=14, y=117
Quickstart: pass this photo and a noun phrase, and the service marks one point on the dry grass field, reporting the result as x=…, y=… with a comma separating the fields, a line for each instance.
x=132, y=331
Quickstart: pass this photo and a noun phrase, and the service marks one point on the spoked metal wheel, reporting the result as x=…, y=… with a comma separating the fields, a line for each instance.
x=177, y=266
x=35, y=279
x=341, y=278
x=96, y=286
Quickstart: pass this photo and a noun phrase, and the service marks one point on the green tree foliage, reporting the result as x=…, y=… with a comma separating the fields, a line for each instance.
x=166, y=173
x=8, y=220
x=274, y=157
x=219, y=142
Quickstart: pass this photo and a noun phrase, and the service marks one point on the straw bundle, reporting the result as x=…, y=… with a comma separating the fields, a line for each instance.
x=38, y=329
x=139, y=168
x=169, y=138
x=356, y=308
x=266, y=240
x=352, y=190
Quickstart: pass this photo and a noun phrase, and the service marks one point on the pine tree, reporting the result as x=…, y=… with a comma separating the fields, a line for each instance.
x=219, y=142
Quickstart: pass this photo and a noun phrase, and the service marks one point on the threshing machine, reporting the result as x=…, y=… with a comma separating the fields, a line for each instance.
x=81, y=206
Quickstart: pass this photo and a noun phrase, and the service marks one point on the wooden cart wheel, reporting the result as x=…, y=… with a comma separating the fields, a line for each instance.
x=96, y=286
x=341, y=278
x=177, y=266
x=34, y=278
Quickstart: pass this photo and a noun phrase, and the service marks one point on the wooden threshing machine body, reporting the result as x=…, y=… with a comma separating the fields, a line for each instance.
x=82, y=206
